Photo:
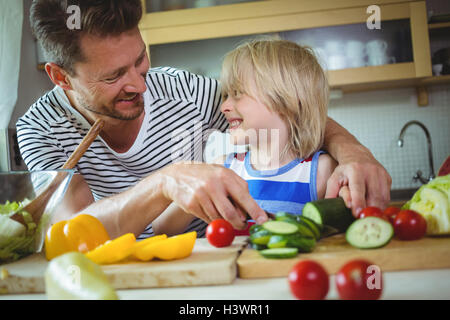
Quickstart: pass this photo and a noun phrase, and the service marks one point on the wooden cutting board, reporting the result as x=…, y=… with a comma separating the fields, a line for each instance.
x=334, y=252
x=206, y=265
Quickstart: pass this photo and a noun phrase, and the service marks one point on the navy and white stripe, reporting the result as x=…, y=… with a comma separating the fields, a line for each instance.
x=286, y=189
x=181, y=109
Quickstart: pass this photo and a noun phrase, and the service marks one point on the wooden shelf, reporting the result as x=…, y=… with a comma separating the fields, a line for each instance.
x=435, y=80
x=438, y=25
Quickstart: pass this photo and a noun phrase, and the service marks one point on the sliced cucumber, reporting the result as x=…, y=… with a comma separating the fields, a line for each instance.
x=314, y=227
x=278, y=241
x=261, y=237
x=279, y=253
x=255, y=228
x=302, y=243
x=331, y=212
x=258, y=246
x=369, y=233
x=280, y=227
x=282, y=216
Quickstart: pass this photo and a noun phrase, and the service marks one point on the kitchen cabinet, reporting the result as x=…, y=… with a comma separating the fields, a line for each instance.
x=403, y=25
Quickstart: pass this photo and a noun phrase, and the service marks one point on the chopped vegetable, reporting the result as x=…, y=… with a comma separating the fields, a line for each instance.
x=369, y=233
x=16, y=239
x=176, y=247
x=432, y=201
x=72, y=276
x=279, y=253
x=113, y=251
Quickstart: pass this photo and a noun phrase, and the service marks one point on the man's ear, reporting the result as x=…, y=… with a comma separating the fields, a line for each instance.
x=58, y=75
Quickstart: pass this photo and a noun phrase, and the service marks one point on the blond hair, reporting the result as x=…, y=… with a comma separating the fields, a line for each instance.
x=289, y=81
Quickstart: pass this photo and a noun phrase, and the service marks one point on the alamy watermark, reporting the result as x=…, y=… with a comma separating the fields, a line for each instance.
x=74, y=20
x=374, y=20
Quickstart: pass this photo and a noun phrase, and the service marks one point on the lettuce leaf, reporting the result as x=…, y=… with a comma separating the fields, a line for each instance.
x=432, y=201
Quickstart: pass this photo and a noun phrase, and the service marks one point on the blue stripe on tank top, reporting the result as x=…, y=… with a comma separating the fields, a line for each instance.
x=282, y=191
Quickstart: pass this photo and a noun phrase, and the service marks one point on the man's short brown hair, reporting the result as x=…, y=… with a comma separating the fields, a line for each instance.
x=101, y=18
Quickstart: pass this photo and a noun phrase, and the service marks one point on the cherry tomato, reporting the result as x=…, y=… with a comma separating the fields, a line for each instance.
x=372, y=212
x=391, y=213
x=409, y=225
x=220, y=233
x=356, y=281
x=308, y=280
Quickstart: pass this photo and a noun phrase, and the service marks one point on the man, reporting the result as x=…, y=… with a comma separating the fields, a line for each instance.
x=132, y=173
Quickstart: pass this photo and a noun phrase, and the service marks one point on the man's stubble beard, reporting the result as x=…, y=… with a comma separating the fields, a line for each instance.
x=112, y=113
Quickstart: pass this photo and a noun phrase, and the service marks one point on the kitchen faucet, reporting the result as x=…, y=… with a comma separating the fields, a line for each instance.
x=418, y=175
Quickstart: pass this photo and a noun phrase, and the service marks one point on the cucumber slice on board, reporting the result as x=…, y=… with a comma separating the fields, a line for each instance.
x=277, y=241
x=261, y=237
x=279, y=253
x=280, y=227
x=369, y=233
x=330, y=212
x=302, y=243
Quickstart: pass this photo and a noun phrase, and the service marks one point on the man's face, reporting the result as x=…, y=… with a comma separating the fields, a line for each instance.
x=111, y=80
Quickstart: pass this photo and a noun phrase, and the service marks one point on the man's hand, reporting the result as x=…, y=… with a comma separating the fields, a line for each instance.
x=210, y=192
x=361, y=182
x=359, y=178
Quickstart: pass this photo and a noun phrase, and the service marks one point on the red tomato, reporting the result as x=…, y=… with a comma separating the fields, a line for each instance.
x=409, y=225
x=356, y=281
x=372, y=212
x=220, y=233
x=391, y=213
x=308, y=280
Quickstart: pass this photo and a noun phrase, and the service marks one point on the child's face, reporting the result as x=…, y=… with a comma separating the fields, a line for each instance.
x=248, y=118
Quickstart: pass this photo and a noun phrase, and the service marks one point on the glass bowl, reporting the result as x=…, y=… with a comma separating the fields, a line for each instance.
x=22, y=187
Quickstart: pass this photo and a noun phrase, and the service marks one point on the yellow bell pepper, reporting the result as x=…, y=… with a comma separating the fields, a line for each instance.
x=176, y=247
x=81, y=233
x=55, y=241
x=85, y=232
x=113, y=251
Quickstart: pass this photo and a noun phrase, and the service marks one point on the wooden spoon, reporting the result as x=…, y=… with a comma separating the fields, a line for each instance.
x=36, y=207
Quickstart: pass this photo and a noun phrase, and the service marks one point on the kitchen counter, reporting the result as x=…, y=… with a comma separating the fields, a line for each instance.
x=409, y=285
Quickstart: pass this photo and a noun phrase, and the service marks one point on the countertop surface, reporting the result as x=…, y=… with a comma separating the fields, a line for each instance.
x=408, y=285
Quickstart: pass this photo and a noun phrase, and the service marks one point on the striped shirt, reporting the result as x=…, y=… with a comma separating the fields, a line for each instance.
x=286, y=189
x=181, y=110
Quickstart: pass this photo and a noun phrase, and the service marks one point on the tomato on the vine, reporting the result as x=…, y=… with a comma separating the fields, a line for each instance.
x=356, y=281
x=409, y=225
x=372, y=212
x=308, y=280
x=220, y=233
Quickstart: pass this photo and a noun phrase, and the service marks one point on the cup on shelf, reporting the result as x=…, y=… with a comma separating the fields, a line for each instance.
x=376, y=47
x=354, y=48
x=356, y=54
x=336, y=62
x=334, y=48
x=437, y=69
x=379, y=59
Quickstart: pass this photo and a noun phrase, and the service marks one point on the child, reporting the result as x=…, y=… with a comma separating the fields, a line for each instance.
x=275, y=99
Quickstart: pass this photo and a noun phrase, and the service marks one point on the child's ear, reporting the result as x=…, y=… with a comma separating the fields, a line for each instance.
x=58, y=75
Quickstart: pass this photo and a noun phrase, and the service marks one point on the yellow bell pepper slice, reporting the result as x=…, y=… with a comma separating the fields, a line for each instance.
x=176, y=247
x=85, y=233
x=139, y=245
x=113, y=251
x=187, y=242
x=55, y=241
